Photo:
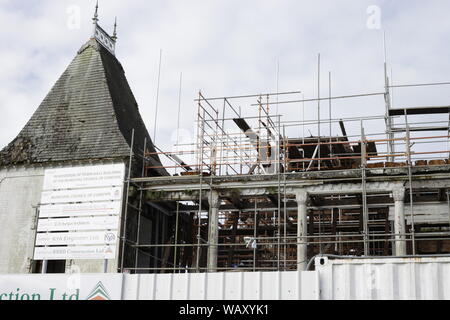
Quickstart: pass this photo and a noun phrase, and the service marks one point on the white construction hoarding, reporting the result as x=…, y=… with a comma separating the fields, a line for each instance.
x=415, y=278
x=61, y=287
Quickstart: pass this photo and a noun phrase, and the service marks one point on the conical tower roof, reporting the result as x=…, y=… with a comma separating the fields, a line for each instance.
x=89, y=114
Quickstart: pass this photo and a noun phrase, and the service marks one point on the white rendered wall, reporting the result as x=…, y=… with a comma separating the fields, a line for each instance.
x=20, y=193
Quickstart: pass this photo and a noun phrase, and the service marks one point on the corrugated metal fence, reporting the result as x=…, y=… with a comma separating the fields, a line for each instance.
x=383, y=278
x=339, y=279
x=223, y=286
x=387, y=278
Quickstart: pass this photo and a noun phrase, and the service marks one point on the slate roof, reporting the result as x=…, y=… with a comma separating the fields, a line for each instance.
x=88, y=114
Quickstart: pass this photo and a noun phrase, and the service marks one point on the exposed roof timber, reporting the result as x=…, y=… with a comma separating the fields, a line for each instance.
x=294, y=152
x=262, y=147
x=176, y=159
x=236, y=203
x=344, y=132
x=273, y=199
x=309, y=146
x=419, y=110
x=242, y=124
x=371, y=148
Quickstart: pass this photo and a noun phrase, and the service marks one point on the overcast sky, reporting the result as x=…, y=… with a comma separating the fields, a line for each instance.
x=226, y=48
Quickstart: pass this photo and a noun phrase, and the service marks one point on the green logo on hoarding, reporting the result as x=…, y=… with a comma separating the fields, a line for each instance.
x=99, y=293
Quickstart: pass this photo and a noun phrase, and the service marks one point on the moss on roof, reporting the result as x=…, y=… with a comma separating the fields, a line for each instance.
x=89, y=114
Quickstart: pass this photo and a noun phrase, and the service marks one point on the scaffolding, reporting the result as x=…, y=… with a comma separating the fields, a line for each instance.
x=234, y=205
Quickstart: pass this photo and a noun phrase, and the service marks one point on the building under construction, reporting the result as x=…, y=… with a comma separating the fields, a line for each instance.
x=82, y=186
x=255, y=197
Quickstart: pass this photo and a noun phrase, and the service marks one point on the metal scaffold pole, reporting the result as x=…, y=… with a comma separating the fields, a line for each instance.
x=364, y=192
x=138, y=236
x=177, y=218
x=387, y=100
x=285, y=216
x=124, y=223
x=200, y=170
x=255, y=235
x=318, y=111
x=411, y=195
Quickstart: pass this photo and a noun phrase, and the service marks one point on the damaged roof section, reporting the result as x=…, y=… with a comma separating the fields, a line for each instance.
x=90, y=113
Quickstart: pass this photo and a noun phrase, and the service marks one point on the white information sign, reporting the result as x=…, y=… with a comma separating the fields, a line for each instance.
x=76, y=238
x=84, y=177
x=79, y=224
x=80, y=209
x=81, y=195
x=78, y=252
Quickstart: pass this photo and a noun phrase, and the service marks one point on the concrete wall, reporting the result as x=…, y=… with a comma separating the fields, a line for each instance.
x=20, y=194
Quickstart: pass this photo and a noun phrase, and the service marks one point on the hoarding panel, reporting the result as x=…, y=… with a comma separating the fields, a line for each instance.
x=61, y=287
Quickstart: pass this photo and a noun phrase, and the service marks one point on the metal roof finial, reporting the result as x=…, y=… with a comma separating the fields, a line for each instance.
x=100, y=35
x=114, y=37
x=95, y=19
